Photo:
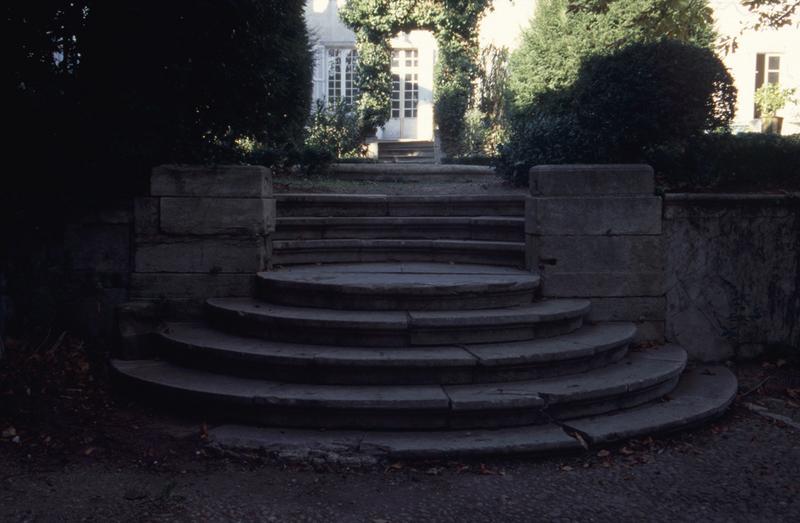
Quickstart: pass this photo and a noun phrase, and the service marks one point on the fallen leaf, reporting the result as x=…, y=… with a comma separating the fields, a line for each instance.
x=626, y=451
x=88, y=451
x=603, y=453
x=434, y=471
x=486, y=471
x=566, y=468
x=394, y=466
x=581, y=440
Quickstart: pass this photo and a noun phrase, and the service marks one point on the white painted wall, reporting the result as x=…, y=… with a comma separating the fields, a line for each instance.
x=503, y=26
x=730, y=17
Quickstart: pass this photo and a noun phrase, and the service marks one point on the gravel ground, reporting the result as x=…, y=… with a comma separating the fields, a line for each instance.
x=742, y=468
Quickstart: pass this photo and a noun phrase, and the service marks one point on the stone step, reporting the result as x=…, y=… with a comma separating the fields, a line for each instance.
x=489, y=228
x=294, y=252
x=200, y=346
x=702, y=394
x=413, y=172
x=398, y=286
x=325, y=205
x=253, y=317
x=636, y=379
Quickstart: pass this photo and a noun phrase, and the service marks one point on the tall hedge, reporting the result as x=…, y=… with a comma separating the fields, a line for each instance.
x=609, y=81
x=564, y=33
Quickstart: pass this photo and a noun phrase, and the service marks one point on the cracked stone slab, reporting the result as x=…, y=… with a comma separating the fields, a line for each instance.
x=422, y=445
x=702, y=393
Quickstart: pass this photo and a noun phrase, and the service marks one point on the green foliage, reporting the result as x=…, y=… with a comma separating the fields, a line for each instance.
x=454, y=22
x=773, y=13
x=334, y=128
x=564, y=33
x=623, y=106
x=485, y=121
x=770, y=99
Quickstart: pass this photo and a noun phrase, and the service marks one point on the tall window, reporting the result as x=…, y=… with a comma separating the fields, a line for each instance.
x=768, y=70
x=342, y=75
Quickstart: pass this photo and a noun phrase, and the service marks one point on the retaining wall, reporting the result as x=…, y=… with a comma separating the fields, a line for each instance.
x=719, y=274
x=732, y=273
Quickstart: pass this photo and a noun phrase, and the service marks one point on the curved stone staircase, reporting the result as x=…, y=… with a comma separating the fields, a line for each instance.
x=406, y=327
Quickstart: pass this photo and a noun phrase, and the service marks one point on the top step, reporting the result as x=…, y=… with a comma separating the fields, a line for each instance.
x=410, y=170
x=296, y=204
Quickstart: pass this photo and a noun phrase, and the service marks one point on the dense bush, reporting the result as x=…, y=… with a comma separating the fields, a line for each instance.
x=334, y=128
x=622, y=106
x=484, y=122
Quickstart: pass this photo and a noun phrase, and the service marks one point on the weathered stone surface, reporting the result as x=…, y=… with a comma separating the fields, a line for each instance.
x=370, y=205
x=732, y=276
x=602, y=284
x=702, y=393
x=214, y=216
x=636, y=254
x=203, y=255
x=398, y=286
x=146, y=216
x=371, y=251
x=582, y=179
x=156, y=286
x=220, y=181
x=593, y=215
x=629, y=308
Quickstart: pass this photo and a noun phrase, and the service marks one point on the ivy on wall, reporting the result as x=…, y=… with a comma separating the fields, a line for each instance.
x=454, y=23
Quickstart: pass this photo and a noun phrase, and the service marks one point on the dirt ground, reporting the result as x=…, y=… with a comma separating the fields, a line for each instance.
x=71, y=449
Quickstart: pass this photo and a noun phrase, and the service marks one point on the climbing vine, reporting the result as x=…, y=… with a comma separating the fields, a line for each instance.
x=454, y=23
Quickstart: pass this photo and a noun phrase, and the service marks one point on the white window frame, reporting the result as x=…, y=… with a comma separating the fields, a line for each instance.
x=338, y=88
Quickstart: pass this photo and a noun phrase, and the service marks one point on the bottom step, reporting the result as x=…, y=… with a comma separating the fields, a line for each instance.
x=703, y=393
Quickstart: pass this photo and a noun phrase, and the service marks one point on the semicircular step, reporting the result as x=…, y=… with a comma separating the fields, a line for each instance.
x=398, y=286
x=637, y=379
x=703, y=393
x=366, y=328
x=199, y=346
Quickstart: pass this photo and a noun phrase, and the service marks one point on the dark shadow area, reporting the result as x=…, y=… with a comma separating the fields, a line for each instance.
x=95, y=95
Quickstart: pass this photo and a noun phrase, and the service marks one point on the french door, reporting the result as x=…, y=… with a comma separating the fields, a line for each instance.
x=405, y=92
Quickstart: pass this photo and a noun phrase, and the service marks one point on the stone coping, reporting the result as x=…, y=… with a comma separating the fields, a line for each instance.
x=788, y=197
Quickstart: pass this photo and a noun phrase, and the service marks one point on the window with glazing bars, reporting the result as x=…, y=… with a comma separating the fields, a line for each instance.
x=342, y=75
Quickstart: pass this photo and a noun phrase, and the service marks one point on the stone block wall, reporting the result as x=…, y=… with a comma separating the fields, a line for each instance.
x=68, y=271
x=732, y=273
x=203, y=232
x=594, y=231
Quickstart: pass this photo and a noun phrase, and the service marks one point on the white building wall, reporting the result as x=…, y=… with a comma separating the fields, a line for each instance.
x=730, y=17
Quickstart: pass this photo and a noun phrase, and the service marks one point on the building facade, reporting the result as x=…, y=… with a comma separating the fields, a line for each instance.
x=765, y=56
